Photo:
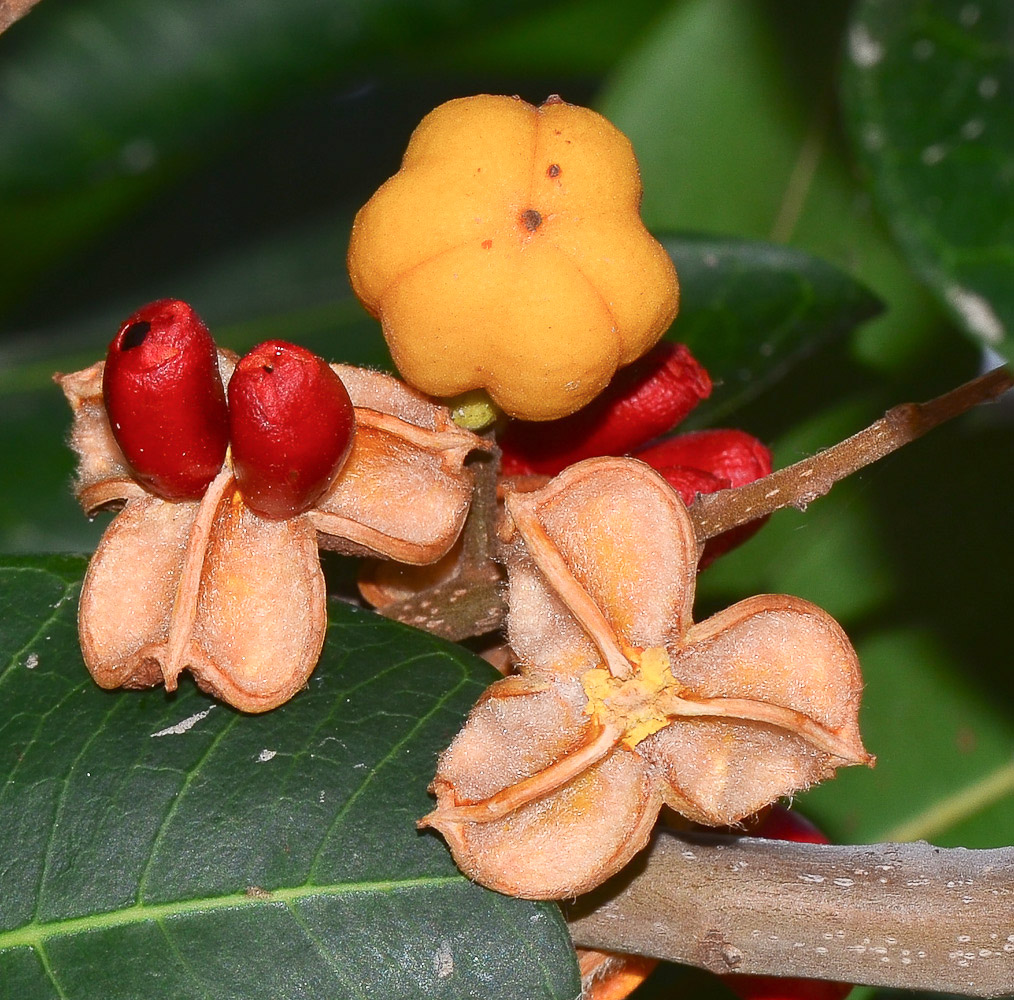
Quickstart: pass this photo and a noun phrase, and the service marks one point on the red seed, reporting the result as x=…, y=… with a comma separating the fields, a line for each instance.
x=644, y=400
x=165, y=400
x=779, y=823
x=707, y=461
x=688, y=482
x=732, y=455
x=291, y=426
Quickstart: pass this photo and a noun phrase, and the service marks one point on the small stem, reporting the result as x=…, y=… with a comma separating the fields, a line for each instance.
x=909, y=916
x=800, y=484
x=471, y=602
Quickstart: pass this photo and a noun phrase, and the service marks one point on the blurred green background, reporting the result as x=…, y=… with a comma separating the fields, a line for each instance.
x=217, y=153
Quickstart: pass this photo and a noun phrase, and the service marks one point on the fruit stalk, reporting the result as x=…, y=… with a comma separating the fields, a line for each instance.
x=800, y=484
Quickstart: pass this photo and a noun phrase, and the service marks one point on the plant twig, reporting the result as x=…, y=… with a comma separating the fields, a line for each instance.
x=471, y=602
x=910, y=916
x=800, y=484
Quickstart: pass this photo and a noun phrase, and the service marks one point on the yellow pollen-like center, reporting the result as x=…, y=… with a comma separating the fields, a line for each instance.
x=632, y=704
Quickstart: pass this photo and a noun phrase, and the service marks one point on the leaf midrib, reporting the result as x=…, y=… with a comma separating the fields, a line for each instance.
x=36, y=934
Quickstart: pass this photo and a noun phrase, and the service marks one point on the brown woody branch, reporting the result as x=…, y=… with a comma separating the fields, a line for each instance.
x=910, y=916
x=800, y=484
x=472, y=601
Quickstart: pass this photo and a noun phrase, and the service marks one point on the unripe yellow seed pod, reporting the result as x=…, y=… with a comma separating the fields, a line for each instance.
x=508, y=254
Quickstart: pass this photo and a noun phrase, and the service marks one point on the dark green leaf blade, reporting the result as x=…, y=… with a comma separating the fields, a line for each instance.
x=166, y=846
x=108, y=88
x=103, y=101
x=928, y=88
x=730, y=109
x=750, y=310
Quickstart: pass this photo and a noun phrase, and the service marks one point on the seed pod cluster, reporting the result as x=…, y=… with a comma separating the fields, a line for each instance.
x=287, y=415
x=622, y=703
x=215, y=570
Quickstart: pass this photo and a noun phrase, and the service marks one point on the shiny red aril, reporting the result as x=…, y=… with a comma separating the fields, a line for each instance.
x=708, y=461
x=731, y=455
x=291, y=426
x=165, y=401
x=644, y=400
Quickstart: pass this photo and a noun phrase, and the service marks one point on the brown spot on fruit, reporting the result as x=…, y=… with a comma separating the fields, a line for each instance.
x=531, y=220
x=554, y=170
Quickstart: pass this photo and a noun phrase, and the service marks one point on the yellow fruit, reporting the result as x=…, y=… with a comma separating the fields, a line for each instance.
x=508, y=254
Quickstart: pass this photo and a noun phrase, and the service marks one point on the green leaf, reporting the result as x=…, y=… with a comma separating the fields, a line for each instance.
x=749, y=311
x=167, y=846
x=730, y=109
x=110, y=88
x=929, y=87
x=104, y=100
x=564, y=44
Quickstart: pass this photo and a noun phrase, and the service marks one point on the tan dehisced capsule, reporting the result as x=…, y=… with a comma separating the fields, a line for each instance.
x=211, y=586
x=621, y=703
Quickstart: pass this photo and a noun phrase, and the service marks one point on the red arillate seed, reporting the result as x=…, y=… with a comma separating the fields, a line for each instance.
x=731, y=455
x=688, y=482
x=165, y=400
x=708, y=461
x=779, y=823
x=291, y=425
x=645, y=399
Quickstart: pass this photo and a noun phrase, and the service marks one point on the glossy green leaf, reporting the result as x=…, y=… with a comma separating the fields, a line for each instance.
x=107, y=88
x=564, y=43
x=166, y=846
x=731, y=111
x=929, y=86
x=102, y=101
x=749, y=311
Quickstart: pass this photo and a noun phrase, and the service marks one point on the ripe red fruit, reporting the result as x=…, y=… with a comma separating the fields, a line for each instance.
x=644, y=400
x=291, y=425
x=731, y=455
x=165, y=399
